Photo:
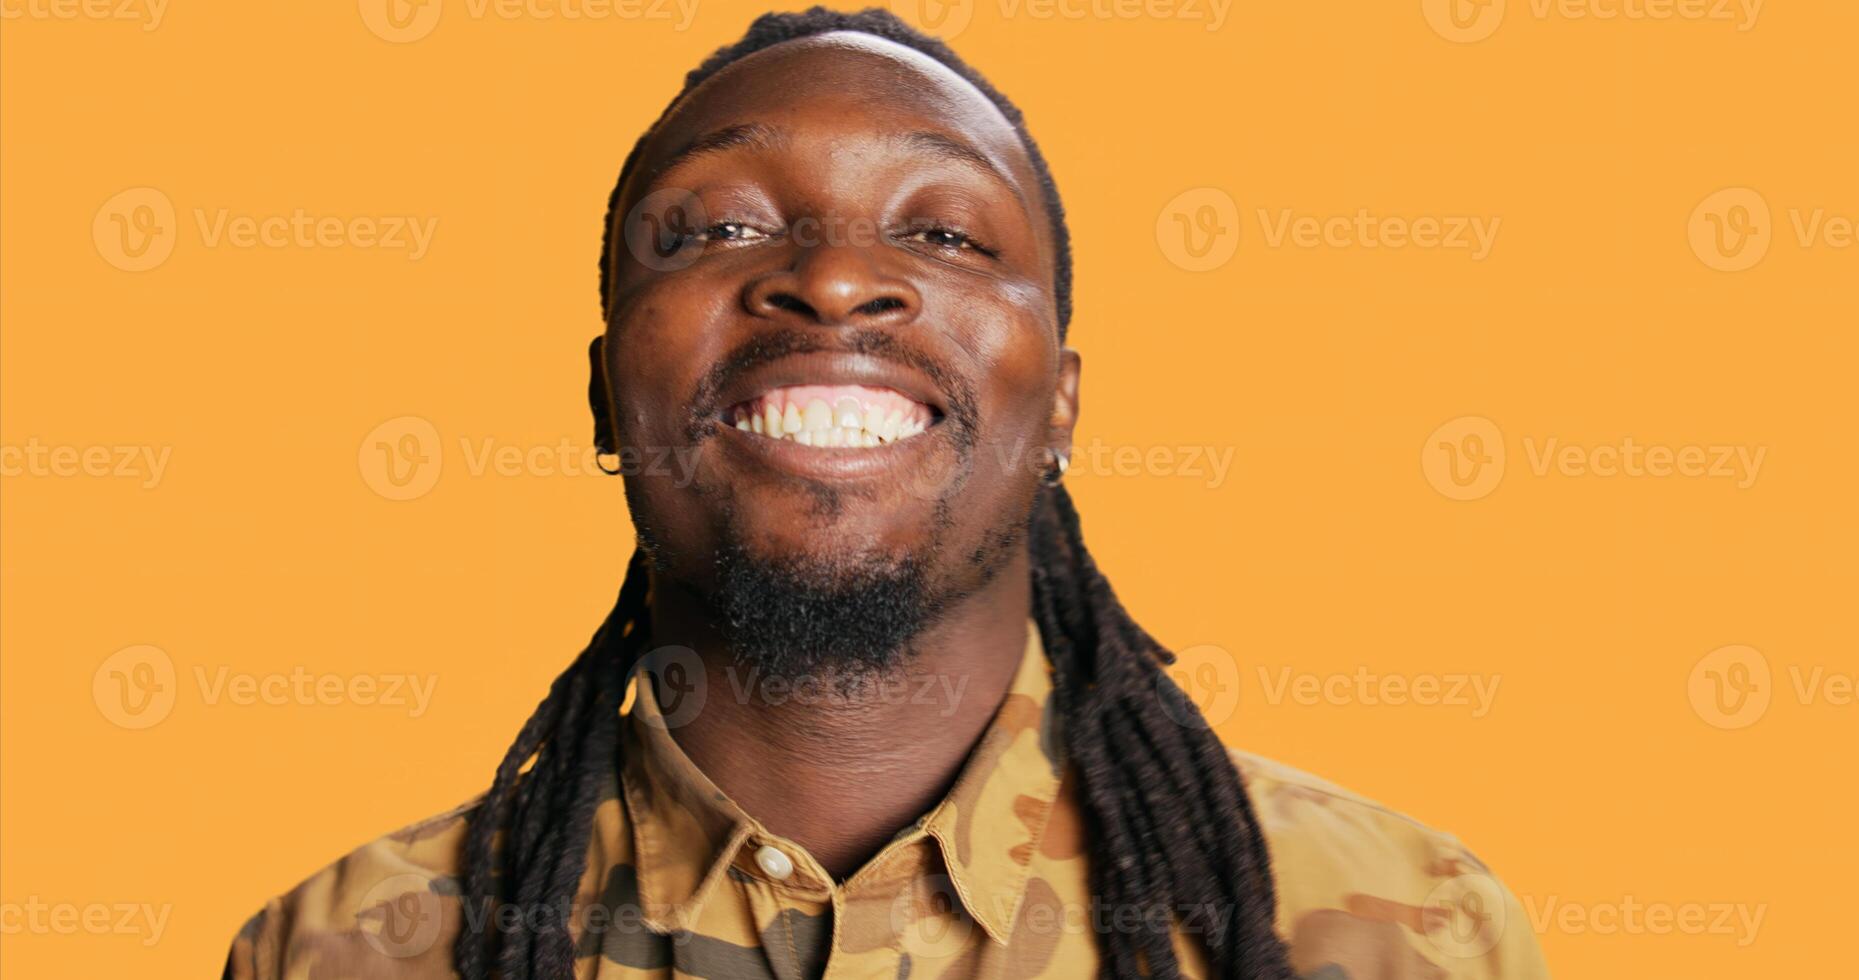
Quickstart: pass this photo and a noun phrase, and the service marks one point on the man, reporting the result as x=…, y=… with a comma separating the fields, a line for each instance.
x=837, y=276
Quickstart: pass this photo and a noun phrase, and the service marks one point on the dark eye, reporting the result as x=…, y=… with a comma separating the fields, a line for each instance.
x=729, y=231
x=948, y=238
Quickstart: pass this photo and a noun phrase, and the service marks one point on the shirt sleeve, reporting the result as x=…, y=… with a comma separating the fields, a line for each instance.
x=242, y=960
x=1365, y=891
x=388, y=910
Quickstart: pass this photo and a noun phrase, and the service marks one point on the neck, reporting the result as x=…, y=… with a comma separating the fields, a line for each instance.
x=840, y=770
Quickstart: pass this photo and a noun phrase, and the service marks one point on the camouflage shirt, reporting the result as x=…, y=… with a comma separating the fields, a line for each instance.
x=991, y=883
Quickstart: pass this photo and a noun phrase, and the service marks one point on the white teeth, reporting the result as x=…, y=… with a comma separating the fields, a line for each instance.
x=845, y=424
x=819, y=415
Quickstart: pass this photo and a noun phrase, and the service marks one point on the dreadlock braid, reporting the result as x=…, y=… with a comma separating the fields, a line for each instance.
x=1172, y=832
x=1172, y=829
x=527, y=844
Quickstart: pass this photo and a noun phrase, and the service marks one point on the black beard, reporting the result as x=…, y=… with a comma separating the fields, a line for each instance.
x=802, y=616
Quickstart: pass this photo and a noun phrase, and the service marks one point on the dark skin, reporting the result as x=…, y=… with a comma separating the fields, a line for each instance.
x=876, y=216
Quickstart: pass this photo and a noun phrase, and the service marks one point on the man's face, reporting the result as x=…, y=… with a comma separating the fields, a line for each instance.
x=832, y=290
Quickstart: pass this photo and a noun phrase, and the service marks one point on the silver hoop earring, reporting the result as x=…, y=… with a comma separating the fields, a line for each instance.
x=1055, y=474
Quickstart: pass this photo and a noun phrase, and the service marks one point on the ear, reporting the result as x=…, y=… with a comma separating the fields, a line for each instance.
x=1065, y=402
x=597, y=401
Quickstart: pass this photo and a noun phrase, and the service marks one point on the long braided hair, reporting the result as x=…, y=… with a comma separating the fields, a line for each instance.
x=1172, y=833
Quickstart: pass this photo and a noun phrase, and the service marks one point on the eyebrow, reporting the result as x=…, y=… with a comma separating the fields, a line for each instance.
x=760, y=136
x=755, y=136
x=950, y=148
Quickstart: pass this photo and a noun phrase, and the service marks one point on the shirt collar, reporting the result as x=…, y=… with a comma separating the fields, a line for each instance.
x=688, y=834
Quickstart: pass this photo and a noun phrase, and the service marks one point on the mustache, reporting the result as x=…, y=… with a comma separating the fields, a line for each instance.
x=766, y=348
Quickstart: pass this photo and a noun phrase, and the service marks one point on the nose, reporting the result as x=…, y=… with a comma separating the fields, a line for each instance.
x=834, y=285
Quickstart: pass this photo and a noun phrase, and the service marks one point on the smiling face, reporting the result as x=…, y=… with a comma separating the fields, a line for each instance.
x=832, y=288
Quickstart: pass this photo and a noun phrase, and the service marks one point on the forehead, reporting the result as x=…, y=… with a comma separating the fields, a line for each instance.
x=843, y=91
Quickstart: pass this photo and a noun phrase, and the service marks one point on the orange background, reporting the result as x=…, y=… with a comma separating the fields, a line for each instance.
x=1596, y=778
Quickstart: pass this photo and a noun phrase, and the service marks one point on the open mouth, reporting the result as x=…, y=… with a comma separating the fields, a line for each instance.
x=833, y=416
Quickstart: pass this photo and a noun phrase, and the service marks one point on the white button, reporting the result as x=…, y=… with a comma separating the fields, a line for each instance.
x=775, y=863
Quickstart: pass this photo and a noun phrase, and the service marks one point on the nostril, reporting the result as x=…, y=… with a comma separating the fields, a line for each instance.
x=789, y=303
x=883, y=304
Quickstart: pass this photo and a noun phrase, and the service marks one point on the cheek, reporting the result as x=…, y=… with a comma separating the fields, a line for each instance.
x=656, y=351
x=1014, y=356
